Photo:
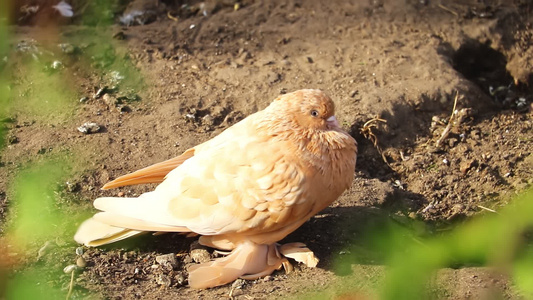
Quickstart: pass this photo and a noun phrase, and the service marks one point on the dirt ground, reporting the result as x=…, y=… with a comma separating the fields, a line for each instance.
x=396, y=70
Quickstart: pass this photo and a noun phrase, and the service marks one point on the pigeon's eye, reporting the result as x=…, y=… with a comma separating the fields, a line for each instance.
x=314, y=113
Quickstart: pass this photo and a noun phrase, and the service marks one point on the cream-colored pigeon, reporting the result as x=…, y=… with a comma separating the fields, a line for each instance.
x=243, y=191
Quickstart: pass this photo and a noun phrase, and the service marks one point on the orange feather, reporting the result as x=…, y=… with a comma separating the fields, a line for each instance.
x=153, y=174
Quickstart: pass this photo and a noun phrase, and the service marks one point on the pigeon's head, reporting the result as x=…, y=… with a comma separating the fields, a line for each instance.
x=311, y=109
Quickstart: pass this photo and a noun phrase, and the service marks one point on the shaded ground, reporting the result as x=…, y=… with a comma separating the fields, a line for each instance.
x=404, y=62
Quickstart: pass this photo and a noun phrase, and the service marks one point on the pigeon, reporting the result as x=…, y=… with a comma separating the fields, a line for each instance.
x=242, y=191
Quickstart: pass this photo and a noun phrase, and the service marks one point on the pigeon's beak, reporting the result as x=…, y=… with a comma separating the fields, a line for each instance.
x=332, y=122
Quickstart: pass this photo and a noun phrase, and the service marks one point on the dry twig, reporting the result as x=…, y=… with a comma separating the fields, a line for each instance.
x=170, y=16
x=487, y=209
x=448, y=9
x=70, y=285
x=367, y=132
x=446, y=131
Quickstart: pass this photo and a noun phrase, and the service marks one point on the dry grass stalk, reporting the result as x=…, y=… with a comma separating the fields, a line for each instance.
x=367, y=132
x=446, y=131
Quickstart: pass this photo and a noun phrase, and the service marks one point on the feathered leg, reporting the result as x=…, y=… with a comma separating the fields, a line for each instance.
x=247, y=260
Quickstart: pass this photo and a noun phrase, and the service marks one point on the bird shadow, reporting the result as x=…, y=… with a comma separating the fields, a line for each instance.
x=343, y=236
x=336, y=229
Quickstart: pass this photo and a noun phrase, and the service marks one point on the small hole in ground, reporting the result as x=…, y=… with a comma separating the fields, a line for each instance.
x=483, y=65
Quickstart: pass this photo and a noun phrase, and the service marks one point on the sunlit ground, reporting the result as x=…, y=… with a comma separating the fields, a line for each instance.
x=43, y=89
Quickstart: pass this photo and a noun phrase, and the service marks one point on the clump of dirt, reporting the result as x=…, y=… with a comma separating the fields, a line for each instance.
x=448, y=87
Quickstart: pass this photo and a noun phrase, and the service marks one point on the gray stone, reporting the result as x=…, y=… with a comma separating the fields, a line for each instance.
x=167, y=260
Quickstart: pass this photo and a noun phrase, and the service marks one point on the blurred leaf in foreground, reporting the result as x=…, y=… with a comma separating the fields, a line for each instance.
x=34, y=202
x=501, y=241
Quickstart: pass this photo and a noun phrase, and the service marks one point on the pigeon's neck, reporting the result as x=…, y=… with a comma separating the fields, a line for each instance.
x=316, y=146
x=326, y=147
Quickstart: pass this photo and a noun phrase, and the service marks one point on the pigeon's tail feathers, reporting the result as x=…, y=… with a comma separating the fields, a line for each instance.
x=117, y=220
x=121, y=218
x=93, y=233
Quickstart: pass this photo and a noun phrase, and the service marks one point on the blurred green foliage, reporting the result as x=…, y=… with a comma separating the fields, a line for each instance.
x=501, y=241
x=37, y=218
x=99, y=12
x=35, y=196
x=39, y=78
x=3, y=83
x=33, y=213
x=40, y=94
x=30, y=285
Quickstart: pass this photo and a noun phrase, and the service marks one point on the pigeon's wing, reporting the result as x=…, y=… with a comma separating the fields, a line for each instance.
x=153, y=174
x=239, y=182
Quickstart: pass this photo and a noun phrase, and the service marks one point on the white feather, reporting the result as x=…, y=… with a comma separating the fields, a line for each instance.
x=64, y=9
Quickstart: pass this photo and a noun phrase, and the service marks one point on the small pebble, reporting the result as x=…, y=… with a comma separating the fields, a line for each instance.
x=69, y=269
x=208, y=120
x=80, y=262
x=67, y=48
x=123, y=108
x=71, y=186
x=44, y=249
x=110, y=100
x=466, y=165
x=167, y=260
x=180, y=279
x=89, y=128
x=200, y=256
x=163, y=280
x=187, y=259
x=79, y=251
x=12, y=139
x=238, y=284
x=100, y=92
x=56, y=64
x=191, y=116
